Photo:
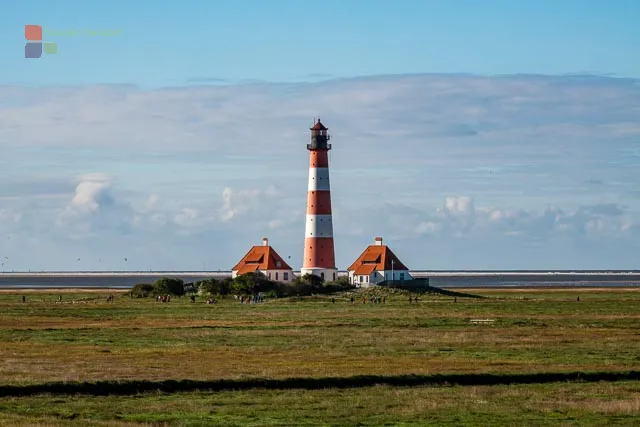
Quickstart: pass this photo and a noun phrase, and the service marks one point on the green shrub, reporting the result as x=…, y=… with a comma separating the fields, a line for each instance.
x=337, y=286
x=253, y=283
x=168, y=286
x=142, y=290
x=213, y=286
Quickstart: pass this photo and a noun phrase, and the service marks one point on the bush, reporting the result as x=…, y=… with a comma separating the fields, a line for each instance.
x=190, y=288
x=142, y=290
x=168, y=286
x=344, y=281
x=214, y=286
x=307, y=285
x=225, y=286
x=309, y=280
x=252, y=283
x=340, y=285
x=271, y=294
x=312, y=284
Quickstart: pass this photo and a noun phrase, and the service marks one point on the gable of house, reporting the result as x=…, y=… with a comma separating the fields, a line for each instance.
x=379, y=257
x=260, y=258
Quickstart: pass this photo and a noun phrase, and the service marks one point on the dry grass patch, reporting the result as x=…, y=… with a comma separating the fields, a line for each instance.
x=141, y=339
x=590, y=404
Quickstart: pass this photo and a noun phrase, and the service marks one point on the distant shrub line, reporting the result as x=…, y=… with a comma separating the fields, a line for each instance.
x=255, y=283
x=104, y=388
x=431, y=289
x=246, y=284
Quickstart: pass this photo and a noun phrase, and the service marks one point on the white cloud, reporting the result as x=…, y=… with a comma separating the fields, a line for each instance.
x=94, y=209
x=459, y=206
x=93, y=193
x=459, y=217
x=425, y=160
x=236, y=202
x=186, y=217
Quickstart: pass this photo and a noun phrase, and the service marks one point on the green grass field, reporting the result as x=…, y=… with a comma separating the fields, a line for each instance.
x=85, y=338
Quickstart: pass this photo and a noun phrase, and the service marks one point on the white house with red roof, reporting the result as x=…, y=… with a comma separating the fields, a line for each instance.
x=264, y=259
x=376, y=264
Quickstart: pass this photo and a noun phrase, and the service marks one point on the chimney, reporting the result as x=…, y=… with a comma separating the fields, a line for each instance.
x=378, y=241
x=265, y=241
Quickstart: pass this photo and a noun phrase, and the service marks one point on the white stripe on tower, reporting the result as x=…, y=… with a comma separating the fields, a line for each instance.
x=319, y=226
x=319, y=179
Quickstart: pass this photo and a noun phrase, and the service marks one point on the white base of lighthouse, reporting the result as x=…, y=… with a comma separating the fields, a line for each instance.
x=328, y=274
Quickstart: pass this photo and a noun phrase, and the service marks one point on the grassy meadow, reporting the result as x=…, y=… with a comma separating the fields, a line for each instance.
x=85, y=338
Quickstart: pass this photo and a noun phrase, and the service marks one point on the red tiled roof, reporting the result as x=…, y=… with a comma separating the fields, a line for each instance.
x=371, y=257
x=254, y=257
x=365, y=269
x=319, y=126
x=247, y=268
x=378, y=256
x=261, y=258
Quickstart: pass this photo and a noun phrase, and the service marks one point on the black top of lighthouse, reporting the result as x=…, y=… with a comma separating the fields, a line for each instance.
x=319, y=137
x=319, y=126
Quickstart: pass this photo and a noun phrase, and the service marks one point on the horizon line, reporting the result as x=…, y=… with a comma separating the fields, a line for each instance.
x=194, y=82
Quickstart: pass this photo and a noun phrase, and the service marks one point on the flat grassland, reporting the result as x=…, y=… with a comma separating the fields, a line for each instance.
x=87, y=339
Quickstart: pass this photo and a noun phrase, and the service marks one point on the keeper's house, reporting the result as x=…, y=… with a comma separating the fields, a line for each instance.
x=377, y=264
x=264, y=259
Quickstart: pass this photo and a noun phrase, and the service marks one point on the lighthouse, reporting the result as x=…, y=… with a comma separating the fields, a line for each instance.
x=319, y=254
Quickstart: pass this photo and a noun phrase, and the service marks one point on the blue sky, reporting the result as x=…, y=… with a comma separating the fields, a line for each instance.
x=171, y=43
x=470, y=135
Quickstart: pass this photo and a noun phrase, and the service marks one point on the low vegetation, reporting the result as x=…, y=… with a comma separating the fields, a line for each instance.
x=246, y=284
x=381, y=358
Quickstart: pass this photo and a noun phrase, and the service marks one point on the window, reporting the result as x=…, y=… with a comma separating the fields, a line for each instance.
x=401, y=276
x=285, y=275
x=334, y=276
x=322, y=276
x=269, y=275
x=361, y=279
x=276, y=275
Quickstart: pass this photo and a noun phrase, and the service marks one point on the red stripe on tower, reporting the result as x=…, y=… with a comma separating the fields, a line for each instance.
x=319, y=254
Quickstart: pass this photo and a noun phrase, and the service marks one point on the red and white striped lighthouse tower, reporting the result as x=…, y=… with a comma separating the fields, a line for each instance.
x=319, y=255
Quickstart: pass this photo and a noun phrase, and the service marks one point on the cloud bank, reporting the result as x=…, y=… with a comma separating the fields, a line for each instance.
x=453, y=171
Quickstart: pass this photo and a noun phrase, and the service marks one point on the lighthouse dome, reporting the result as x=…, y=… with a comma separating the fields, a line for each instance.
x=319, y=126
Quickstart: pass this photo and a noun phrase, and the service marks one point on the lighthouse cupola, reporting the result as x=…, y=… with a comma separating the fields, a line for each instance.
x=319, y=137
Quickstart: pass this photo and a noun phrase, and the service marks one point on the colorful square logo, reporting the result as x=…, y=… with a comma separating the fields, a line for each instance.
x=35, y=45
